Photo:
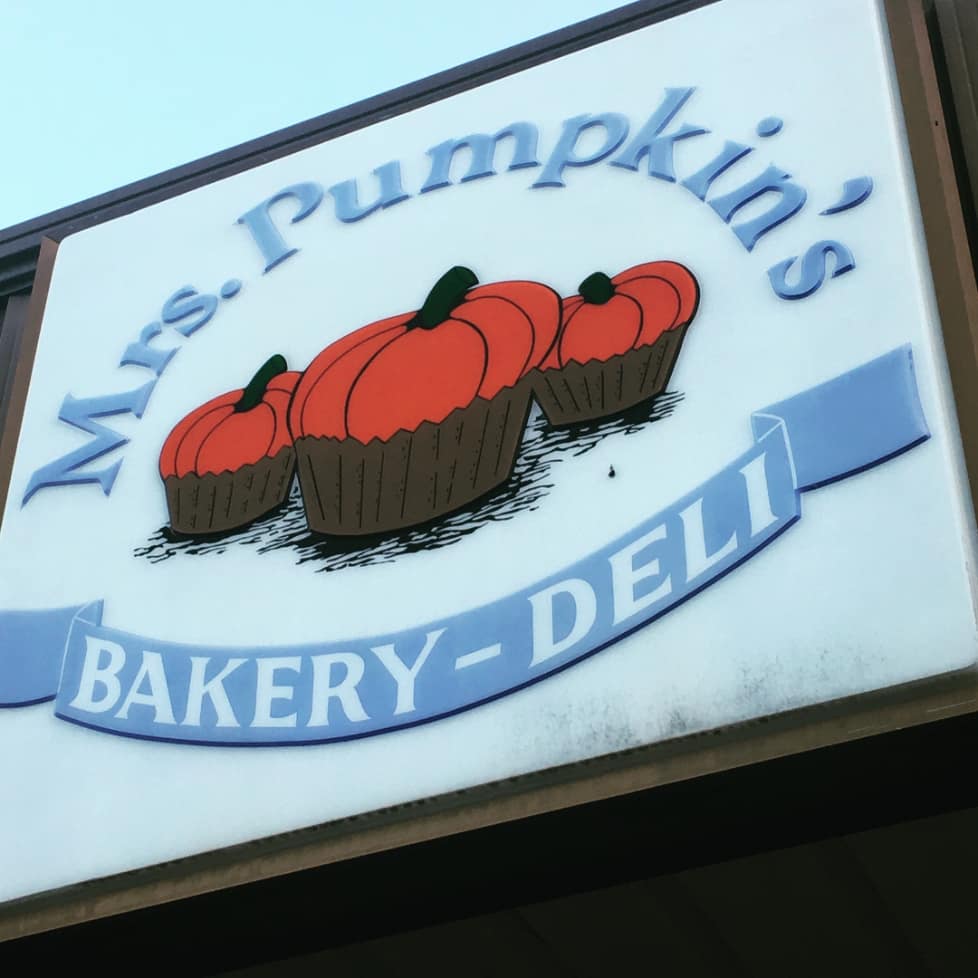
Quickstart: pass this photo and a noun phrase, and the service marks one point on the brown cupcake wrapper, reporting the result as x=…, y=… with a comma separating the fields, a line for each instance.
x=349, y=488
x=598, y=389
x=201, y=504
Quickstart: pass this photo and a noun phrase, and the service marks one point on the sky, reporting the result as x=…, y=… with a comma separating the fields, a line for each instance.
x=104, y=92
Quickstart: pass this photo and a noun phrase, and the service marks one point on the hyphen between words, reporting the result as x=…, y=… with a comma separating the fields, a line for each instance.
x=371, y=685
x=609, y=139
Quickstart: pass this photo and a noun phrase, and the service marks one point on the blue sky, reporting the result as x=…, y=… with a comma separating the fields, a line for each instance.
x=104, y=92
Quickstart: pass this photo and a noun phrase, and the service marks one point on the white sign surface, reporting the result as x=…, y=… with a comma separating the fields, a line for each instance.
x=723, y=482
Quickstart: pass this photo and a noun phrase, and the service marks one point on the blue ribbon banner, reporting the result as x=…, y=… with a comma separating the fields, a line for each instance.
x=141, y=687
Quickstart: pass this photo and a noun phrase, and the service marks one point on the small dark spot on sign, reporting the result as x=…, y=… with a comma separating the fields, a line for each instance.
x=611, y=471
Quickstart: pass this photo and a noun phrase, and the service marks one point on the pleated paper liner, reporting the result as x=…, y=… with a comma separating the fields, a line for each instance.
x=599, y=389
x=349, y=488
x=201, y=504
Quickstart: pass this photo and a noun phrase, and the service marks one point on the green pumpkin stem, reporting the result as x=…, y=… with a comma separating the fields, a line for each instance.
x=444, y=296
x=255, y=391
x=596, y=289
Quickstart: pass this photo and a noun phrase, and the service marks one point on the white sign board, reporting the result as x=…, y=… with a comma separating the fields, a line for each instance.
x=599, y=405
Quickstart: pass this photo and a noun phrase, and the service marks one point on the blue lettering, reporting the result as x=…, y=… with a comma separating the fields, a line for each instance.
x=80, y=413
x=187, y=302
x=651, y=143
x=482, y=149
x=615, y=126
x=263, y=231
x=813, y=268
x=701, y=181
x=347, y=200
x=791, y=199
x=141, y=354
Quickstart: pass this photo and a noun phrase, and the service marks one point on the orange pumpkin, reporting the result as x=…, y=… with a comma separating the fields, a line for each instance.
x=618, y=343
x=235, y=429
x=467, y=341
x=611, y=316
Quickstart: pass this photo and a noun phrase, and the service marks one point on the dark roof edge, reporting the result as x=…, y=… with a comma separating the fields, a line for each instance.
x=19, y=243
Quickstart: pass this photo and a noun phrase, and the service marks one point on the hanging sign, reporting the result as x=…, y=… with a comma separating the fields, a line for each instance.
x=598, y=405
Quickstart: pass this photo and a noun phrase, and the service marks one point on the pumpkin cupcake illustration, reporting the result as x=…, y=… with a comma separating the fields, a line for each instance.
x=414, y=416
x=231, y=460
x=618, y=343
